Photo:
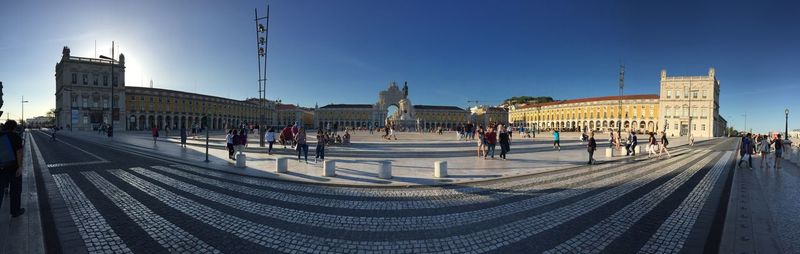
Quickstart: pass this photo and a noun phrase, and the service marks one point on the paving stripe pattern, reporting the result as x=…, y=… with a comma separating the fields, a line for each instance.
x=93, y=228
x=600, y=235
x=400, y=223
x=171, y=237
x=262, y=215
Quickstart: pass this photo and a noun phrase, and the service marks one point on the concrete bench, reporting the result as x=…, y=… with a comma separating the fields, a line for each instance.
x=282, y=165
x=440, y=169
x=329, y=168
x=241, y=160
x=385, y=170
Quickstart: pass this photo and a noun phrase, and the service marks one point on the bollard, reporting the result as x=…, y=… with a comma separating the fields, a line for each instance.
x=796, y=155
x=241, y=160
x=385, y=171
x=638, y=149
x=609, y=152
x=440, y=169
x=329, y=168
x=282, y=165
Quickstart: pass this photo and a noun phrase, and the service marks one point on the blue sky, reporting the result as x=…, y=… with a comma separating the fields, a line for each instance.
x=449, y=51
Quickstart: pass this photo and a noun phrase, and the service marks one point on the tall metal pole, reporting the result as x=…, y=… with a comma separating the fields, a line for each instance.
x=22, y=102
x=691, y=93
x=262, y=73
x=111, y=131
x=619, y=101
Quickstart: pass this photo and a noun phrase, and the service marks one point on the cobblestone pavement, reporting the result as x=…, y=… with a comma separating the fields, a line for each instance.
x=106, y=200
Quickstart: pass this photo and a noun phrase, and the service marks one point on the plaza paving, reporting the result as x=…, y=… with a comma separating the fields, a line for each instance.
x=127, y=197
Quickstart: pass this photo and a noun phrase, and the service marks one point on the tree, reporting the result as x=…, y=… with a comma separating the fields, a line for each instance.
x=51, y=117
x=526, y=100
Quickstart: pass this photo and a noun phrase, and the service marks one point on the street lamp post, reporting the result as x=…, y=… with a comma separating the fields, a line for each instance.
x=619, y=100
x=786, y=137
x=206, y=113
x=22, y=102
x=261, y=44
x=111, y=110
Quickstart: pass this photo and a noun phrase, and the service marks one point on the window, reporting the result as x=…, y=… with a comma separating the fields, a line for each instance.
x=74, y=78
x=669, y=94
x=703, y=127
x=703, y=113
x=694, y=127
x=652, y=112
x=685, y=111
x=694, y=94
x=95, y=79
x=685, y=93
x=94, y=103
x=676, y=126
x=105, y=80
x=704, y=94
x=105, y=103
x=85, y=79
x=115, y=81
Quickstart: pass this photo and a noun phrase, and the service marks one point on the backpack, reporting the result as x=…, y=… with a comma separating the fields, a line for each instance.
x=7, y=154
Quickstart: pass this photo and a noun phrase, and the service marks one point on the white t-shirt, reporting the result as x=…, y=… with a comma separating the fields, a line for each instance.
x=764, y=145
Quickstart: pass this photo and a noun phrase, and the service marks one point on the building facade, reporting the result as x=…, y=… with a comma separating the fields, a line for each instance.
x=691, y=105
x=685, y=105
x=404, y=114
x=84, y=92
x=638, y=112
x=83, y=102
x=163, y=108
x=485, y=115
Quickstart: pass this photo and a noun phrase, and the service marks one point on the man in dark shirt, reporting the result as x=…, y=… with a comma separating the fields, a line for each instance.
x=11, y=165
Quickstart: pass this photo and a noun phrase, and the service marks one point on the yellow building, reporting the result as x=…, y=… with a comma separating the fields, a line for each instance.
x=162, y=108
x=637, y=112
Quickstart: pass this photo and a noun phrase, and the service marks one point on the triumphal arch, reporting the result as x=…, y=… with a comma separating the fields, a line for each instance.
x=392, y=108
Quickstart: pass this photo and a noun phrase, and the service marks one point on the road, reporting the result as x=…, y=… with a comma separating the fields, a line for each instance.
x=107, y=199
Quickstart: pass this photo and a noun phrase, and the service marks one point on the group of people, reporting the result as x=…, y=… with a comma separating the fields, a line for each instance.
x=488, y=138
x=654, y=147
x=755, y=144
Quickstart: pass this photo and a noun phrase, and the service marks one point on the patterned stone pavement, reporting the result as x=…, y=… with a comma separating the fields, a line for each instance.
x=109, y=201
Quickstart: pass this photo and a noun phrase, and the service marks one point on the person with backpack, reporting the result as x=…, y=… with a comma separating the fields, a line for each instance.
x=11, y=154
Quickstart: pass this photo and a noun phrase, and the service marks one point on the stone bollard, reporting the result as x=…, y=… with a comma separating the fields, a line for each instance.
x=638, y=149
x=440, y=169
x=796, y=155
x=609, y=152
x=385, y=171
x=282, y=165
x=241, y=160
x=329, y=168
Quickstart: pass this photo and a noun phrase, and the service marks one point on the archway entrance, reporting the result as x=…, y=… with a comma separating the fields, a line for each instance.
x=392, y=114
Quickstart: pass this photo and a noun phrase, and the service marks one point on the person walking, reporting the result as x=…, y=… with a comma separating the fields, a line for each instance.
x=302, y=147
x=320, y=151
x=765, y=147
x=270, y=137
x=663, y=145
x=183, y=137
x=652, y=145
x=691, y=139
x=155, y=134
x=556, y=140
x=505, y=140
x=229, y=143
x=591, y=147
x=745, y=151
x=11, y=154
x=481, y=142
x=632, y=142
x=779, y=148
x=491, y=141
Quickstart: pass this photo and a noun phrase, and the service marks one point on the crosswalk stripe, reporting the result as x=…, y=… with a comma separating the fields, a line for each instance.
x=594, y=239
x=673, y=233
x=95, y=231
x=171, y=237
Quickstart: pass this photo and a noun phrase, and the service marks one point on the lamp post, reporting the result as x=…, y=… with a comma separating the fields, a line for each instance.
x=262, y=35
x=22, y=102
x=111, y=110
x=206, y=113
x=786, y=137
x=619, y=100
